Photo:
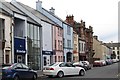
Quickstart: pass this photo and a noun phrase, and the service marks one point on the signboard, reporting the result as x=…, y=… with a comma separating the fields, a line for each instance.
x=19, y=45
x=47, y=52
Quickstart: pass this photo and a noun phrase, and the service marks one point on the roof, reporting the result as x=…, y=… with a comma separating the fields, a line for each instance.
x=37, y=13
x=14, y=9
x=113, y=44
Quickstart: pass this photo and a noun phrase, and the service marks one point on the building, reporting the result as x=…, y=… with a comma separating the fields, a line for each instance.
x=115, y=50
x=5, y=34
x=68, y=42
x=75, y=47
x=86, y=38
x=67, y=38
x=102, y=51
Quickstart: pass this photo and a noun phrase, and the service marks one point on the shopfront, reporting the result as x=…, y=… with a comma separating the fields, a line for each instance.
x=47, y=57
x=19, y=50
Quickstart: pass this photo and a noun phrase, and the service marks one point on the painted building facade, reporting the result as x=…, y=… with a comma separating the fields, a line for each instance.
x=115, y=50
x=66, y=38
x=75, y=47
x=57, y=44
x=68, y=42
x=5, y=30
x=102, y=51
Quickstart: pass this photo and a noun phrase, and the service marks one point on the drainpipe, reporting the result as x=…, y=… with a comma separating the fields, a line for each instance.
x=12, y=40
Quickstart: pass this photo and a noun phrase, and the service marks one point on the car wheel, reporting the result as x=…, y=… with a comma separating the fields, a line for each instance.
x=82, y=73
x=16, y=78
x=60, y=74
x=34, y=77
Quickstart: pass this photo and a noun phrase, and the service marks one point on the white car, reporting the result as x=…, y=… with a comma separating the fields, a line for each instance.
x=61, y=69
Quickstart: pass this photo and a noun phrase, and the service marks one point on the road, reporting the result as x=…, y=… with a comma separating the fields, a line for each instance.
x=96, y=73
x=109, y=71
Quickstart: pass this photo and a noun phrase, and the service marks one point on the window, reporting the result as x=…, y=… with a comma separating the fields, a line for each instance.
x=113, y=48
x=24, y=66
x=68, y=30
x=69, y=43
x=55, y=44
x=63, y=42
x=58, y=31
x=2, y=31
x=117, y=52
x=117, y=48
x=61, y=58
x=55, y=59
x=118, y=57
x=58, y=58
x=18, y=66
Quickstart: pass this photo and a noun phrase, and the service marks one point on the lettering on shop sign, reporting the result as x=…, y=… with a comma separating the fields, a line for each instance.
x=20, y=51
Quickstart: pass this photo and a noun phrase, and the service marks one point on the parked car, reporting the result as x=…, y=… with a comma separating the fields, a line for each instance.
x=18, y=71
x=61, y=69
x=97, y=63
x=103, y=62
x=87, y=64
x=115, y=60
x=109, y=61
x=80, y=64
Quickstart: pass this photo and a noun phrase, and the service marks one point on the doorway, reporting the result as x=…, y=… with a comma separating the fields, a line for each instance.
x=46, y=60
x=19, y=58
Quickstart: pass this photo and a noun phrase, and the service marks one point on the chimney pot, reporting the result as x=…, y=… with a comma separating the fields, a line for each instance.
x=52, y=10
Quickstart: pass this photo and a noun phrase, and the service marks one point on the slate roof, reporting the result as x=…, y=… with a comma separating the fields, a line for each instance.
x=38, y=14
x=113, y=44
x=13, y=9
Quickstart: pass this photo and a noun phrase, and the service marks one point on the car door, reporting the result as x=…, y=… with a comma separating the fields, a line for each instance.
x=64, y=67
x=27, y=71
x=73, y=70
x=18, y=70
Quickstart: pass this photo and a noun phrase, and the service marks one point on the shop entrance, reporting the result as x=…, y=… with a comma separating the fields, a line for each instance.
x=19, y=58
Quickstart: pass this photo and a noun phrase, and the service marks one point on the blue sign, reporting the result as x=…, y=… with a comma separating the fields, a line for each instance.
x=19, y=45
x=47, y=52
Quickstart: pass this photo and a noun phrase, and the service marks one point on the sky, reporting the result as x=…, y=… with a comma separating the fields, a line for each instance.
x=102, y=15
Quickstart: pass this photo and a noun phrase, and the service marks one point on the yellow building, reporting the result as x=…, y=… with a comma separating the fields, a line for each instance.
x=101, y=50
x=75, y=47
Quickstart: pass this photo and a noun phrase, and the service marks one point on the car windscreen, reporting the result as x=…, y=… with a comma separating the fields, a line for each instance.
x=53, y=64
x=5, y=66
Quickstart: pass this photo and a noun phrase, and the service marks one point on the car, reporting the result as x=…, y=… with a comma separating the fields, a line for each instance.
x=18, y=71
x=61, y=69
x=87, y=64
x=81, y=64
x=97, y=63
x=103, y=62
x=115, y=60
x=109, y=61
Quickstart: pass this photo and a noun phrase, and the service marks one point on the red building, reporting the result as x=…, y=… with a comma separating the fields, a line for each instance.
x=85, y=34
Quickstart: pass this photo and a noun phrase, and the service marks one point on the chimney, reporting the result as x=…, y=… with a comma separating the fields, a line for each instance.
x=70, y=19
x=52, y=10
x=39, y=6
x=96, y=37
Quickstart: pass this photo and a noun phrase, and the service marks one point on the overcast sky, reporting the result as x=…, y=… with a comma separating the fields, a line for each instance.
x=102, y=15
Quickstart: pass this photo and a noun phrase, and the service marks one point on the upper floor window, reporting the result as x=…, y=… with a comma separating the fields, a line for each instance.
x=69, y=43
x=2, y=31
x=113, y=48
x=68, y=30
x=117, y=52
x=117, y=48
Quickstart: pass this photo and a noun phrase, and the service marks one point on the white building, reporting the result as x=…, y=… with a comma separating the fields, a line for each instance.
x=115, y=50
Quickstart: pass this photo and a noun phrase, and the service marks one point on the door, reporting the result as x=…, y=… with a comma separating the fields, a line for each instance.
x=19, y=58
x=46, y=60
